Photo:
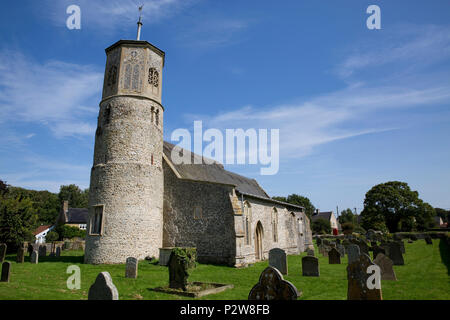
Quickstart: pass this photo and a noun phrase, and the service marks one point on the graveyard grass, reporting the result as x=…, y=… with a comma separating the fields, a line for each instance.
x=425, y=275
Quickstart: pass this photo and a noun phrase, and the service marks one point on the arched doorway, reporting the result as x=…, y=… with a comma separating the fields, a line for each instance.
x=259, y=234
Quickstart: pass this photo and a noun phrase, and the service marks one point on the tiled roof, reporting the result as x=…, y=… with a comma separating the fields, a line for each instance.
x=41, y=229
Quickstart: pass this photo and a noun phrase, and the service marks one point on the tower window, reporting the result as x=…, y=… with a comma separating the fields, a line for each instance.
x=157, y=117
x=96, y=220
x=153, y=77
x=107, y=115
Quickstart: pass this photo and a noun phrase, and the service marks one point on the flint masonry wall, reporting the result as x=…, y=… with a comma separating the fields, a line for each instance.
x=213, y=234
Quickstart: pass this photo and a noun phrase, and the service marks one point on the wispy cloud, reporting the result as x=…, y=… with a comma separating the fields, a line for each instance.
x=56, y=94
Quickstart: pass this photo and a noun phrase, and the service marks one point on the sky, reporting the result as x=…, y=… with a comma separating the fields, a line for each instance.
x=354, y=106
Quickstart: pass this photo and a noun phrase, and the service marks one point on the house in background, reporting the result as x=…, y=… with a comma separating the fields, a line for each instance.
x=328, y=216
x=41, y=232
x=439, y=223
x=73, y=217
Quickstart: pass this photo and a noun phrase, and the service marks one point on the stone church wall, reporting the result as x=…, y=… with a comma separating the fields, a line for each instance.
x=212, y=233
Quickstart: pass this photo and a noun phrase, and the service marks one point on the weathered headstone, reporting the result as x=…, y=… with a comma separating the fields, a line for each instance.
x=35, y=257
x=20, y=257
x=386, y=267
x=278, y=259
x=58, y=251
x=376, y=250
x=131, y=269
x=3, y=248
x=180, y=261
x=272, y=286
x=6, y=271
x=341, y=249
x=428, y=240
x=42, y=250
x=310, y=252
x=310, y=266
x=319, y=241
x=357, y=280
x=395, y=254
x=353, y=253
x=334, y=257
x=402, y=246
x=103, y=288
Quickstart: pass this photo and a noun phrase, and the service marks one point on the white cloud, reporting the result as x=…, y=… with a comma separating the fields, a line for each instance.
x=54, y=93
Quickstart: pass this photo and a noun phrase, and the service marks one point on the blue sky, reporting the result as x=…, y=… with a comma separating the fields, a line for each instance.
x=355, y=107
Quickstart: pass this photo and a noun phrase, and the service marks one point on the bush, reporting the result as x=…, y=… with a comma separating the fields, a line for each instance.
x=51, y=236
x=359, y=229
x=347, y=228
x=321, y=226
x=68, y=232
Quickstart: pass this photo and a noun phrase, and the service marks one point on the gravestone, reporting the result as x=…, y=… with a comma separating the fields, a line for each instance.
x=3, y=248
x=395, y=254
x=278, y=259
x=6, y=271
x=20, y=258
x=357, y=280
x=58, y=251
x=402, y=246
x=310, y=252
x=272, y=286
x=42, y=250
x=30, y=249
x=341, y=249
x=310, y=266
x=103, y=288
x=334, y=257
x=353, y=253
x=319, y=241
x=363, y=247
x=428, y=240
x=386, y=266
x=377, y=250
x=180, y=261
x=131, y=269
x=35, y=257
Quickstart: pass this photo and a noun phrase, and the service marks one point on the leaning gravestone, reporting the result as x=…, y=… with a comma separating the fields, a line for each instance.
x=353, y=253
x=310, y=266
x=6, y=271
x=3, y=248
x=428, y=240
x=35, y=257
x=334, y=257
x=20, y=258
x=386, y=267
x=278, y=259
x=395, y=254
x=357, y=280
x=376, y=250
x=103, y=288
x=272, y=286
x=131, y=269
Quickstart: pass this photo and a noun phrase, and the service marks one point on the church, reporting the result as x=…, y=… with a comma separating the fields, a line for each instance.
x=141, y=202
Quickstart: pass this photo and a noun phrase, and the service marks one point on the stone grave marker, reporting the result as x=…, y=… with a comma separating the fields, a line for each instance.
x=402, y=246
x=3, y=248
x=334, y=257
x=395, y=254
x=34, y=257
x=103, y=288
x=42, y=250
x=357, y=280
x=131, y=269
x=341, y=249
x=20, y=257
x=319, y=241
x=310, y=252
x=353, y=253
x=58, y=251
x=376, y=250
x=278, y=259
x=6, y=271
x=428, y=240
x=272, y=286
x=180, y=261
x=310, y=266
x=386, y=266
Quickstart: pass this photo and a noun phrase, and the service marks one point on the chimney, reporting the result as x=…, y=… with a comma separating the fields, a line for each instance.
x=65, y=206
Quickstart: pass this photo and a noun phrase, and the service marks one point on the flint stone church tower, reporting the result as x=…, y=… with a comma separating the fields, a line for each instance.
x=126, y=187
x=142, y=204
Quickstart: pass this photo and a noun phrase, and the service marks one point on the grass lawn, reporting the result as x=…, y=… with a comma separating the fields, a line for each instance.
x=425, y=275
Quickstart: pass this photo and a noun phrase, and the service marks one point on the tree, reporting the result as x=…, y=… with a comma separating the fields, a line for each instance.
x=69, y=232
x=51, y=236
x=3, y=187
x=299, y=200
x=394, y=206
x=347, y=216
x=77, y=198
x=17, y=220
x=321, y=226
x=347, y=227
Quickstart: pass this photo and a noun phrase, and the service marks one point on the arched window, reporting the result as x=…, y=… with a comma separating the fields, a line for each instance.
x=247, y=222
x=275, y=224
x=153, y=77
x=152, y=111
x=157, y=117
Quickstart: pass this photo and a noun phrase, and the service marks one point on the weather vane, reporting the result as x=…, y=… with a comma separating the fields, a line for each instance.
x=139, y=24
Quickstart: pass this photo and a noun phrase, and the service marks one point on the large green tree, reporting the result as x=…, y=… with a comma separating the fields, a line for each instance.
x=347, y=216
x=299, y=201
x=395, y=207
x=77, y=198
x=321, y=226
